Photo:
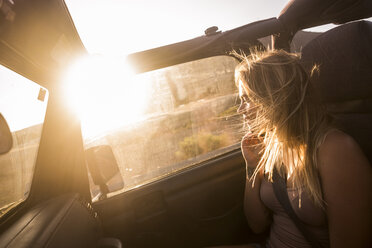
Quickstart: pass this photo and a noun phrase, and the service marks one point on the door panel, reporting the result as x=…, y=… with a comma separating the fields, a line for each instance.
x=199, y=206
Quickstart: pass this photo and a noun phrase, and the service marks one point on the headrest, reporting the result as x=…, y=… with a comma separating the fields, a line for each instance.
x=300, y=14
x=344, y=57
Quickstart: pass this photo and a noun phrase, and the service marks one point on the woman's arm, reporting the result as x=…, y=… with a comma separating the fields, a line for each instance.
x=258, y=216
x=346, y=177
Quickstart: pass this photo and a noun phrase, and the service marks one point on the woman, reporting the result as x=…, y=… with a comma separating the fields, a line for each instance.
x=328, y=176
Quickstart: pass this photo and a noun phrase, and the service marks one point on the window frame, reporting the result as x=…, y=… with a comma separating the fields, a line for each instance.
x=231, y=149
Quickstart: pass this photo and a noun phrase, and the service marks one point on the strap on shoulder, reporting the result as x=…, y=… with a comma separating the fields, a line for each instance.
x=280, y=190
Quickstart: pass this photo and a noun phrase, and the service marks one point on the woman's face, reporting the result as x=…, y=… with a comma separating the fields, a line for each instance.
x=246, y=107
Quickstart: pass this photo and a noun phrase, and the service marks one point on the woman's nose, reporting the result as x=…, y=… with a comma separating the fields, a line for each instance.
x=243, y=107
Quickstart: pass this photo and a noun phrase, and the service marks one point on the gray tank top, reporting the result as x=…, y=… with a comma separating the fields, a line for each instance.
x=283, y=232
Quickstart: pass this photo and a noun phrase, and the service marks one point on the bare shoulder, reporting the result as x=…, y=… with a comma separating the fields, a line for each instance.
x=340, y=150
x=338, y=140
x=338, y=144
x=346, y=180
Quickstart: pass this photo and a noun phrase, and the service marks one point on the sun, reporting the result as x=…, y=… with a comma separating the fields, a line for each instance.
x=105, y=94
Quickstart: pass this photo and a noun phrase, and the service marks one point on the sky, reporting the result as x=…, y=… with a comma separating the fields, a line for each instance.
x=119, y=27
x=135, y=25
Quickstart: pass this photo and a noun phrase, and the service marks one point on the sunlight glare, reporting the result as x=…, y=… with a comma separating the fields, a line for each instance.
x=104, y=95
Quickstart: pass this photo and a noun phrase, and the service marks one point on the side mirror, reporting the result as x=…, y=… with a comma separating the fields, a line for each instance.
x=6, y=139
x=104, y=169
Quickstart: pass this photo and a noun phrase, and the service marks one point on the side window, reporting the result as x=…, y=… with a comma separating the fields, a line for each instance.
x=23, y=105
x=190, y=116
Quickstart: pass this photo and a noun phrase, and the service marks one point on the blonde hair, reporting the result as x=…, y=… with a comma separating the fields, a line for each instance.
x=288, y=120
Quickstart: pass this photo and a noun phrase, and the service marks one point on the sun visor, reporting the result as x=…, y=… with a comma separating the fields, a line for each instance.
x=37, y=38
x=300, y=14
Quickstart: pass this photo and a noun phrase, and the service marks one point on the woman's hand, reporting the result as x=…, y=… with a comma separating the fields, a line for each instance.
x=258, y=216
x=251, y=148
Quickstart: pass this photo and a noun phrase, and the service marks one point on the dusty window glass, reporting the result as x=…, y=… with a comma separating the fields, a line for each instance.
x=23, y=105
x=190, y=116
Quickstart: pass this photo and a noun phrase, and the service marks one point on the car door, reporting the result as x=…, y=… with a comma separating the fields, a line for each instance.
x=182, y=168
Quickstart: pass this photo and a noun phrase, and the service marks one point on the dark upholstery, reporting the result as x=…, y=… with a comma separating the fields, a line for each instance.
x=300, y=14
x=344, y=55
x=64, y=221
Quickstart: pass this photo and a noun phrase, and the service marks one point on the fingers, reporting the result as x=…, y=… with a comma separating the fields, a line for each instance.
x=251, y=147
x=251, y=140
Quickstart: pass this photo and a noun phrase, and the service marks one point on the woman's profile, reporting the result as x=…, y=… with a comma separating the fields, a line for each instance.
x=328, y=177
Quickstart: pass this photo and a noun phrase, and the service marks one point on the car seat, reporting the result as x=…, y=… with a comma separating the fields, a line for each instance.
x=344, y=56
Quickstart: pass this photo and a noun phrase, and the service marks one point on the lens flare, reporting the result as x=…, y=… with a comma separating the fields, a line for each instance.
x=105, y=94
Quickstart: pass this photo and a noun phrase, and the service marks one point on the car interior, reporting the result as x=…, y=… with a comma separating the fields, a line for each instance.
x=74, y=197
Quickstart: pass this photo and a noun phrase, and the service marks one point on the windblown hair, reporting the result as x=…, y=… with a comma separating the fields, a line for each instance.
x=288, y=120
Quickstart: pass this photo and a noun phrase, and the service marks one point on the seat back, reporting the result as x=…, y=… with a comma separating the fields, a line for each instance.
x=344, y=56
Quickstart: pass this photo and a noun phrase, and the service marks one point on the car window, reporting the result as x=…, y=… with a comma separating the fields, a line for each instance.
x=190, y=117
x=23, y=105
